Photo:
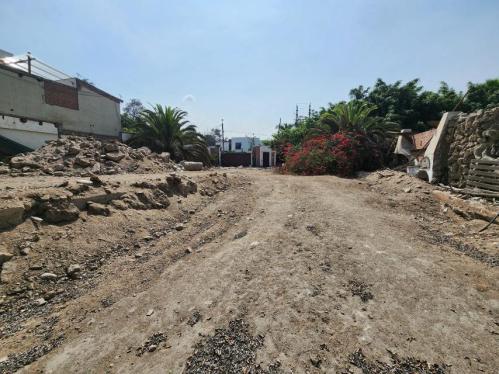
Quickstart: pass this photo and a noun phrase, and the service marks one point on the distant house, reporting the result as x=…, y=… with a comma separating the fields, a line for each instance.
x=40, y=103
x=247, y=151
x=264, y=156
x=242, y=144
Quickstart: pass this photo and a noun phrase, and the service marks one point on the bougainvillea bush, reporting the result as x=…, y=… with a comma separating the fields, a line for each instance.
x=341, y=154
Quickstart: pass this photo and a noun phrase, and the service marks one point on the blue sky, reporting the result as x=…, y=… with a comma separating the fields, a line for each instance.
x=251, y=62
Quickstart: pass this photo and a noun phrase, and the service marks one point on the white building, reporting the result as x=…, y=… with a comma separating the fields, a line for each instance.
x=38, y=103
x=242, y=144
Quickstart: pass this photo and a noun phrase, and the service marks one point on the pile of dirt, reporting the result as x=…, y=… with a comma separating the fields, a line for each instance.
x=446, y=217
x=80, y=156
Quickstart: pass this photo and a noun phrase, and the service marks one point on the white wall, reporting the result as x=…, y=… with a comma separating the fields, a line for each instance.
x=22, y=95
x=272, y=157
x=246, y=143
x=30, y=134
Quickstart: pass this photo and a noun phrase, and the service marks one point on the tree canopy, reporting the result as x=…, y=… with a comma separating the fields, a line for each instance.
x=386, y=107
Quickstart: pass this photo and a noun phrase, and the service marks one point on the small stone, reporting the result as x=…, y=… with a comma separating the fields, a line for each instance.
x=36, y=219
x=188, y=250
x=25, y=251
x=152, y=347
x=254, y=244
x=73, y=270
x=41, y=301
x=150, y=312
x=48, y=276
x=179, y=227
x=407, y=190
x=98, y=209
x=5, y=256
x=240, y=234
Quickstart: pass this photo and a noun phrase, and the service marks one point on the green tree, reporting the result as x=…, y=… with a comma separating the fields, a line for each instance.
x=357, y=116
x=482, y=95
x=130, y=115
x=213, y=137
x=166, y=129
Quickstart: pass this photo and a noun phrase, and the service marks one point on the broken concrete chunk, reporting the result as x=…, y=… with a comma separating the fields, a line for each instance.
x=81, y=161
x=193, y=166
x=98, y=209
x=73, y=270
x=41, y=301
x=8, y=272
x=165, y=156
x=60, y=211
x=5, y=256
x=115, y=156
x=111, y=147
x=48, y=276
x=11, y=213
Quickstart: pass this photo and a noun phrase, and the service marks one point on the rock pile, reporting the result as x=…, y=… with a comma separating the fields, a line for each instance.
x=82, y=156
x=471, y=136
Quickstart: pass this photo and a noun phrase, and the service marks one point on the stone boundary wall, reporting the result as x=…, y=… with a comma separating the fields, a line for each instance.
x=471, y=136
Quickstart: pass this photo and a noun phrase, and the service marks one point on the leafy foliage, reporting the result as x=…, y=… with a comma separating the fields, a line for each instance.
x=214, y=136
x=385, y=108
x=166, y=129
x=130, y=115
x=342, y=153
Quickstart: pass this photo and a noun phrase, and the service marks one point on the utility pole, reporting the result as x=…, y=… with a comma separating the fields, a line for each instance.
x=309, y=110
x=296, y=117
x=280, y=123
x=29, y=62
x=223, y=139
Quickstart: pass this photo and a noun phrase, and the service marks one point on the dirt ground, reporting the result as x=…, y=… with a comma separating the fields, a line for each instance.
x=269, y=274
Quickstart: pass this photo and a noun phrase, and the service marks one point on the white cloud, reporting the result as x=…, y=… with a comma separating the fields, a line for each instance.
x=189, y=99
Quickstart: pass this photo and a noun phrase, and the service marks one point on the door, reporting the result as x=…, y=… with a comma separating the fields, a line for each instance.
x=266, y=159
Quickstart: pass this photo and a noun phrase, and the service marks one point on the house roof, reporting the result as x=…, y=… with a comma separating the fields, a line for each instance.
x=422, y=139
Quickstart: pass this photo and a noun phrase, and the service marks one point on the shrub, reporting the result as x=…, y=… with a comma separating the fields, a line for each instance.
x=342, y=154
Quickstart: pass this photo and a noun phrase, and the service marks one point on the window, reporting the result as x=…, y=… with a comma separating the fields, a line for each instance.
x=238, y=145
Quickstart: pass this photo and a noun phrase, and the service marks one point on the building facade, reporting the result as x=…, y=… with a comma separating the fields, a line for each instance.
x=66, y=106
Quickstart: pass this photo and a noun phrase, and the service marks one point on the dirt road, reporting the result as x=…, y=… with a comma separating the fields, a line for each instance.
x=297, y=274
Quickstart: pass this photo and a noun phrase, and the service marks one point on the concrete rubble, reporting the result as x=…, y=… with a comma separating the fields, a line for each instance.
x=81, y=156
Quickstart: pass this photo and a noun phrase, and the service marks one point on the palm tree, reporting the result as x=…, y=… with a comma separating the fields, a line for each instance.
x=166, y=129
x=356, y=115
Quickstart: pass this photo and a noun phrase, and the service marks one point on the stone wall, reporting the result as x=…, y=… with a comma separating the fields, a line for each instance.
x=471, y=136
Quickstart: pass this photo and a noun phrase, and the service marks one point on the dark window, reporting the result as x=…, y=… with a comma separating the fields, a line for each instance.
x=238, y=145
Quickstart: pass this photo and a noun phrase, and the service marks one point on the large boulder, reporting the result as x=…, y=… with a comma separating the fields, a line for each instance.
x=193, y=166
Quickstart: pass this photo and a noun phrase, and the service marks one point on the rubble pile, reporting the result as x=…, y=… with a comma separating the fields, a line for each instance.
x=83, y=156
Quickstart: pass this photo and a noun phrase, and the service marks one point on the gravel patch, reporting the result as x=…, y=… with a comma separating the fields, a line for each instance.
x=230, y=350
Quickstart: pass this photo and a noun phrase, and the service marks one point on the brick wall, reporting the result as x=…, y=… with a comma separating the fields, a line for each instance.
x=61, y=95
